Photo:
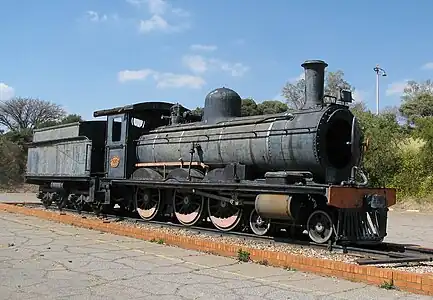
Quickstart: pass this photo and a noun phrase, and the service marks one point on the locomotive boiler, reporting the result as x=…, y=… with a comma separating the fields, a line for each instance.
x=317, y=139
x=296, y=170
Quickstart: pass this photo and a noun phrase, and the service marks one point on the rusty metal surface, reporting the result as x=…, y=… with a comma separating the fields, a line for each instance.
x=351, y=197
x=70, y=159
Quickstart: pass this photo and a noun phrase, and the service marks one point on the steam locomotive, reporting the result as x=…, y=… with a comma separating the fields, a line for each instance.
x=297, y=170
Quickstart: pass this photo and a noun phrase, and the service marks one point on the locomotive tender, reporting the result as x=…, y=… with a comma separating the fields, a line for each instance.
x=292, y=170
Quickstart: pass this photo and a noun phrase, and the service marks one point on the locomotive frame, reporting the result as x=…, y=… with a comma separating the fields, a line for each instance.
x=96, y=164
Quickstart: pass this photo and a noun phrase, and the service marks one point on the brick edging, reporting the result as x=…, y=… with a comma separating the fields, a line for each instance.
x=407, y=281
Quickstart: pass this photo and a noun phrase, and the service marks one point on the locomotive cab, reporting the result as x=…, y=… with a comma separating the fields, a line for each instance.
x=124, y=126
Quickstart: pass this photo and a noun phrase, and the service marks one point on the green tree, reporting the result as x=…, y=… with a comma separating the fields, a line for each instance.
x=383, y=133
x=294, y=92
x=413, y=89
x=420, y=105
x=271, y=107
x=71, y=118
x=11, y=162
x=335, y=82
x=249, y=107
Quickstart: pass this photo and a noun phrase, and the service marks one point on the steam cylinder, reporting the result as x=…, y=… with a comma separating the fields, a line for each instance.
x=314, y=140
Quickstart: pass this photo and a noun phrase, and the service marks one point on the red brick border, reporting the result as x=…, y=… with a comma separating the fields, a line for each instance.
x=411, y=282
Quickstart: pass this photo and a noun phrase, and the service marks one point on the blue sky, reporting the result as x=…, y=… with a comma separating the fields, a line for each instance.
x=94, y=54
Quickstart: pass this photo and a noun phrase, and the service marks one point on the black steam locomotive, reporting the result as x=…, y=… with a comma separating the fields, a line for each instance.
x=292, y=170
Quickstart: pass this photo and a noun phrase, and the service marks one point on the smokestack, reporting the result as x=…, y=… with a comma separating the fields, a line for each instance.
x=314, y=82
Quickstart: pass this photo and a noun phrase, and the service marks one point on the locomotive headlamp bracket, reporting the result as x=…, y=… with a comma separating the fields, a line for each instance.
x=345, y=96
x=375, y=201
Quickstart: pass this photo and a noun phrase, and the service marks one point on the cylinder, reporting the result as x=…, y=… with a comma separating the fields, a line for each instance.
x=274, y=206
x=314, y=82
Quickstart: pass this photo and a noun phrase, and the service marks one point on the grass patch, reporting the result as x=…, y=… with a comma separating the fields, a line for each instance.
x=243, y=255
x=387, y=285
x=159, y=241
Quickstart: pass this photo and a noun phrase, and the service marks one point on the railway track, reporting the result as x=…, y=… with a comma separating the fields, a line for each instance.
x=385, y=253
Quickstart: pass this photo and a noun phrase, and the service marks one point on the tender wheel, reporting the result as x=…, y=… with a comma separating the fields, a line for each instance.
x=78, y=202
x=62, y=201
x=258, y=225
x=224, y=215
x=188, y=208
x=47, y=199
x=320, y=227
x=147, y=203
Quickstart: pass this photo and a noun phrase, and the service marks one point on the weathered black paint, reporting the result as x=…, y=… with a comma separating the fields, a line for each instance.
x=221, y=104
x=314, y=82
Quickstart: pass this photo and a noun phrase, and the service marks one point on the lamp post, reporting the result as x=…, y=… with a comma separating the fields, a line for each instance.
x=382, y=72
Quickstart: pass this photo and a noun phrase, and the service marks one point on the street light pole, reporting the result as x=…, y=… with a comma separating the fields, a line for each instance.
x=378, y=70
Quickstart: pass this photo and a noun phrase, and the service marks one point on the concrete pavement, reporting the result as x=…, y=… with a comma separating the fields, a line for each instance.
x=46, y=260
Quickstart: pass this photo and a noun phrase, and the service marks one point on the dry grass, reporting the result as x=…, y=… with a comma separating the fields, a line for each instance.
x=422, y=204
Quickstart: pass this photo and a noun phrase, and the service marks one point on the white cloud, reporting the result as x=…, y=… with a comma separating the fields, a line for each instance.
x=195, y=63
x=199, y=47
x=159, y=9
x=180, y=12
x=6, y=92
x=428, y=66
x=236, y=69
x=95, y=16
x=128, y=75
x=163, y=80
x=167, y=80
x=200, y=64
x=396, y=88
x=154, y=23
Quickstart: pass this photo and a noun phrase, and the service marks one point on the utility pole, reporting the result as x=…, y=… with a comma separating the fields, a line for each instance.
x=382, y=72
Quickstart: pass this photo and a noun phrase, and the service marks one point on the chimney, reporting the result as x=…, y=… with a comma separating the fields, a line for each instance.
x=314, y=82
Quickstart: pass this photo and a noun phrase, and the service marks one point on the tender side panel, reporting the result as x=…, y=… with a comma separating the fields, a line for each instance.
x=66, y=131
x=351, y=197
x=69, y=159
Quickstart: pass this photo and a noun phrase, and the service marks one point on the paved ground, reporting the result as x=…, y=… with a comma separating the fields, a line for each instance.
x=19, y=197
x=410, y=228
x=46, y=260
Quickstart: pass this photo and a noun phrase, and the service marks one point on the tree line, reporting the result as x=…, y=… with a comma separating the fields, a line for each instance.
x=18, y=118
x=400, y=138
